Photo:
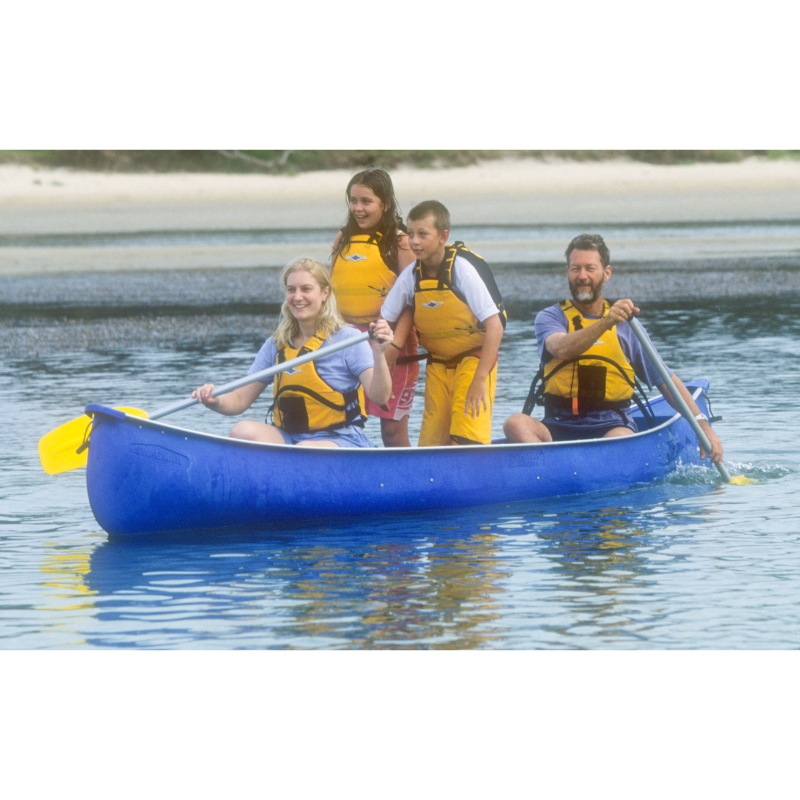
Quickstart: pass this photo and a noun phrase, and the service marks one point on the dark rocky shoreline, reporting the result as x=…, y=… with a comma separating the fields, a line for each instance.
x=68, y=312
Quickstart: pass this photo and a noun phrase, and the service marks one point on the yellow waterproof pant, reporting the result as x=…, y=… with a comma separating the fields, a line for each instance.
x=445, y=396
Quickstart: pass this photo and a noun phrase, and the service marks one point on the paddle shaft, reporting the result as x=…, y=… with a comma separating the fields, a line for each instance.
x=265, y=373
x=679, y=401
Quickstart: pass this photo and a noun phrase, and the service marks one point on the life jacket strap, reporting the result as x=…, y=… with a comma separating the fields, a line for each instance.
x=412, y=359
x=452, y=363
x=553, y=402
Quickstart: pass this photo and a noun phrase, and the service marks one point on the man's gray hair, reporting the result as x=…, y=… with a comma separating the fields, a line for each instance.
x=590, y=241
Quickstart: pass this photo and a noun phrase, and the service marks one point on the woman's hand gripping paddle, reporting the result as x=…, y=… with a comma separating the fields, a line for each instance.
x=684, y=409
x=66, y=447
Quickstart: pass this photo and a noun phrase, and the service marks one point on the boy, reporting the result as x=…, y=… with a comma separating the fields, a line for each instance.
x=458, y=322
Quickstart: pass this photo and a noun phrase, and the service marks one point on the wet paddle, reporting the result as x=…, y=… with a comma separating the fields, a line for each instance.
x=684, y=409
x=66, y=447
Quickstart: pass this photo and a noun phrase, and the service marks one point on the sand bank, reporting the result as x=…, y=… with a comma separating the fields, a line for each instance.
x=528, y=191
x=512, y=191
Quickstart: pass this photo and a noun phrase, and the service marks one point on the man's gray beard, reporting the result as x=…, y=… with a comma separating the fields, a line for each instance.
x=585, y=295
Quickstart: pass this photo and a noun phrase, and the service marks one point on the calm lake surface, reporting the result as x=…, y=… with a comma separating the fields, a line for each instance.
x=686, y=564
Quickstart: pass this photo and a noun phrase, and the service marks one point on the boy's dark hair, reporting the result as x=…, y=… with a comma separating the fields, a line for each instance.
x=433, y=209
x=590, y=241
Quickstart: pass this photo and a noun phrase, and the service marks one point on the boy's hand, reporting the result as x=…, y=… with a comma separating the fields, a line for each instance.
x=476, y=397
x=381, y=336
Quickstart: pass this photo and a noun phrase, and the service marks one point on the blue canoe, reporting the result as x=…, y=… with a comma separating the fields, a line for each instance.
x=147, y=477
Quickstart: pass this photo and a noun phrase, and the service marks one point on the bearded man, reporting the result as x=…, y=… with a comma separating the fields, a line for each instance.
x=590, y=357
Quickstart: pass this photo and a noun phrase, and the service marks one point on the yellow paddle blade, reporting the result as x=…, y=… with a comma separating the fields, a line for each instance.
x=742, y=480
x=63, y=449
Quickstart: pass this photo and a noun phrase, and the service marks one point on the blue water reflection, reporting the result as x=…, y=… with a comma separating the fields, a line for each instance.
x=462, y=580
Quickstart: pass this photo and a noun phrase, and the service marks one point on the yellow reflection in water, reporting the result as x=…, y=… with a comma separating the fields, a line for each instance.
x=64, y=572
x=436, y=593
x=601, y=555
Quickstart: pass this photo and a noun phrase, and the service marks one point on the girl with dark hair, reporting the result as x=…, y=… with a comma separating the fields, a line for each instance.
x=369, y=252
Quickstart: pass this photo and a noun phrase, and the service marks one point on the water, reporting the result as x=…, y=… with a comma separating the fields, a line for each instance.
x=687, y=564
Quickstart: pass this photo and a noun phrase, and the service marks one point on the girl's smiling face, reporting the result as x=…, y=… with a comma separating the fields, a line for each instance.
x=366, y=207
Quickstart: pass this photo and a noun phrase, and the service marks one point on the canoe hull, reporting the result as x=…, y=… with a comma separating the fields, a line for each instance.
x=145, y=477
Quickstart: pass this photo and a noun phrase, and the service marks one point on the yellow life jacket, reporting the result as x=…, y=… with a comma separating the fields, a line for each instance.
x=445, y=324
x=305, y=403
x=361, y=279
x=601, y=378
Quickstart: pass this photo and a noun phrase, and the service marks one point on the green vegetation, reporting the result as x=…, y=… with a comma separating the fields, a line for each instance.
x=778, y=154
x=293, y=161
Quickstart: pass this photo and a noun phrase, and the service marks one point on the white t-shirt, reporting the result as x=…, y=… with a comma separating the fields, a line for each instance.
x=467, y=282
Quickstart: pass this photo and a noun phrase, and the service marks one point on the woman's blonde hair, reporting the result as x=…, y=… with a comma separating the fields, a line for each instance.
x=329, y=320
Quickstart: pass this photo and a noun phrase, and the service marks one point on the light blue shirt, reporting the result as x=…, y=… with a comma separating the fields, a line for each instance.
x=340, y=370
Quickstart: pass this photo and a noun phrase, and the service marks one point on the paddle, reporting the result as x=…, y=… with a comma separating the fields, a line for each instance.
x=65, y=448
x=684, y=409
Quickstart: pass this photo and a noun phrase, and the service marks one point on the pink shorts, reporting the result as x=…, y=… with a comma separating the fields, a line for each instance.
x=404, y=383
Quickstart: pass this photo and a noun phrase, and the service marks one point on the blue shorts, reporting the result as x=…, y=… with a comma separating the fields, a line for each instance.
x=573, y=432
x=352, y=436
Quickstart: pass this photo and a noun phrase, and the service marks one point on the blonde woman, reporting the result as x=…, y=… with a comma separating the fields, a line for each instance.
x=321, y=403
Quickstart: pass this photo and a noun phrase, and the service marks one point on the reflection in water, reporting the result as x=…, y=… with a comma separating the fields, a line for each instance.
x=567, y=568
x=599, y=557
x=437, y=593
x=351, y=587
x=599, y=561
x=465, y=596
x=65, y=591
x=65, y=574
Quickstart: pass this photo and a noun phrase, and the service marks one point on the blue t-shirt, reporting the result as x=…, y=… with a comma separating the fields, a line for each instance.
x=340, y=370
x=553, y=320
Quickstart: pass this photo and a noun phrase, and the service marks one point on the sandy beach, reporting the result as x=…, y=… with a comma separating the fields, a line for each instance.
x=36, y=202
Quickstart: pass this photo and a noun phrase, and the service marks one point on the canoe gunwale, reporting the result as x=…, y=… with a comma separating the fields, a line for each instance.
x=143, y=422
